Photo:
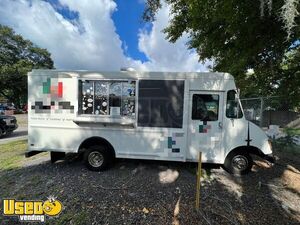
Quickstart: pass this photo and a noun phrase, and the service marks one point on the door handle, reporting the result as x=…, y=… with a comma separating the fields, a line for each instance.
x=220, y=125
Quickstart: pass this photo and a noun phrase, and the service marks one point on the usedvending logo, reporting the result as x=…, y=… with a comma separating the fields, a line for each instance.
x=32, y=211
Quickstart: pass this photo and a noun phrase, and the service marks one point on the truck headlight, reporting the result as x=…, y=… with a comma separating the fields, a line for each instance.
x=7, y=121
x=270, y=145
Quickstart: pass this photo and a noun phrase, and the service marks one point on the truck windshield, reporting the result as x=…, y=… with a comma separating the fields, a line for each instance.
x=233, y=107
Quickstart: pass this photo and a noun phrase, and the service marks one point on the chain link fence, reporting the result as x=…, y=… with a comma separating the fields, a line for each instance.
x=265, y=111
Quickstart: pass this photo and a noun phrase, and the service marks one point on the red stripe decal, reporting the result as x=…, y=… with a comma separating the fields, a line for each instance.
x=60, y=90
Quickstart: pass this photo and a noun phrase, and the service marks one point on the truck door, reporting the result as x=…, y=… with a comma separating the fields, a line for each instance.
x=205, y=126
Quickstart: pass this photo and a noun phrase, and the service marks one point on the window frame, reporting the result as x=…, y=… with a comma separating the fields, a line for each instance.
x=80, y=111
x=240, y=113
x=218, y=104
x=150, y=125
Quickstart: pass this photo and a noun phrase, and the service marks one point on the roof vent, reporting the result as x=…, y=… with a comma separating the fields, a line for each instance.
x=127, y=69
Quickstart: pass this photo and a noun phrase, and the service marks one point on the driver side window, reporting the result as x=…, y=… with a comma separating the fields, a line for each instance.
x=205, y=107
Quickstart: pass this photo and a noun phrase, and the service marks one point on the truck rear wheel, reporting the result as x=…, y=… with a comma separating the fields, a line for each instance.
x=96, y=158
x=238, y=163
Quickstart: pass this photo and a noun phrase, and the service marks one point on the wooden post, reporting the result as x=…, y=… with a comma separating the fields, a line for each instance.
x=198, y=180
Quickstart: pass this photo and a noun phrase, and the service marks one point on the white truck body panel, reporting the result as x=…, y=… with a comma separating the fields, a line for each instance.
x=56, y=122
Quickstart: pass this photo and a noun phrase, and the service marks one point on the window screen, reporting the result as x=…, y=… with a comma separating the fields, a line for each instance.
x=205, y=107
x=112, y=98
x=87, y=98
x=101, y=98
x=160, y=103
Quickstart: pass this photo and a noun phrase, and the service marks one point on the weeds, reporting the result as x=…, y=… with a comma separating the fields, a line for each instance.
x=12, y=154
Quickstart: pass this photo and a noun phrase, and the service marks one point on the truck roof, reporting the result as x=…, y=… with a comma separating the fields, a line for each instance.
x=86, y=74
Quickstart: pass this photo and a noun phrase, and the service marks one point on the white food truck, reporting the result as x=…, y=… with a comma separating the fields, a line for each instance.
x=141, y=115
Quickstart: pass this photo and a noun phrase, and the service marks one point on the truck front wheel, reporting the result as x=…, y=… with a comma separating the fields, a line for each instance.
x=96, y=158
x=238, y=163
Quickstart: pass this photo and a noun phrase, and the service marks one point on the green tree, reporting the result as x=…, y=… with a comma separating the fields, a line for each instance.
x=17, y=57
x=238, y=36
x=289, y=79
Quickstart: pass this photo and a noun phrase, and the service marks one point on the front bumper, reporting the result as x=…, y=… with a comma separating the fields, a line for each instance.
x=11, y=128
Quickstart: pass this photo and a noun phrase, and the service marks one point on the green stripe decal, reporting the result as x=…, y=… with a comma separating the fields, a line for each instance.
x=200, y=128
x=169, y=142
x=46, y=86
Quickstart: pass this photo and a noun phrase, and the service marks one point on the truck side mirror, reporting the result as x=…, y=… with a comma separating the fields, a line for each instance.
x=236, y=97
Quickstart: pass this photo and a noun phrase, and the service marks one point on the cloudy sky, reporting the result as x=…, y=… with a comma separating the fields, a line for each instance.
x=99, y=34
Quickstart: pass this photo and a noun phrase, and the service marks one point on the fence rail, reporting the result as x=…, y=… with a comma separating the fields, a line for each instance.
x=265, y=111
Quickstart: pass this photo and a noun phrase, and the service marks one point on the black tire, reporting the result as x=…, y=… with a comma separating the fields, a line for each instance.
x=97, y=158
x=8, y=133
x=2, y=131
x=238, y=163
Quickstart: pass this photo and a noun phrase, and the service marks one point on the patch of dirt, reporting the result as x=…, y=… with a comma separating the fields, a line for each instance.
x=155, y=192
x=291, y=179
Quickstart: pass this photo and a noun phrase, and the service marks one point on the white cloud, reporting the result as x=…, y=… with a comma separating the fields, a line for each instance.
x=166, y=56
x=98, y=47
x=91, y=42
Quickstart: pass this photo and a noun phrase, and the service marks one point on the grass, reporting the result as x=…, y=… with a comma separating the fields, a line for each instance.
x=286, y=145
x=292, y=150
x=292, y=131
x=12, y=158
x=12, y=154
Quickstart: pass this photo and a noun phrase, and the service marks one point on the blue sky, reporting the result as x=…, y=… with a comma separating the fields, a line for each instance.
x=128, y=21
x=99, y=34
x=64, y=10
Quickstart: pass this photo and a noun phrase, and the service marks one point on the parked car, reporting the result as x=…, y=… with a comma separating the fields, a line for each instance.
x=25, y=108
x=13, y=109
x=2, y=109
x=7, y=125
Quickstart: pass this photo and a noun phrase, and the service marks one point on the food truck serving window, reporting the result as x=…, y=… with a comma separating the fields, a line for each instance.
x=110, y=98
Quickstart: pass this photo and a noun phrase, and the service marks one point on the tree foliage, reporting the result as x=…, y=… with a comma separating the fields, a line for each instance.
x=17, y=57
x=238, y=37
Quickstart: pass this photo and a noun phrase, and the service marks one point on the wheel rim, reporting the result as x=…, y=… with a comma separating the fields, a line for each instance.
x=95, y=159
x=240, y=162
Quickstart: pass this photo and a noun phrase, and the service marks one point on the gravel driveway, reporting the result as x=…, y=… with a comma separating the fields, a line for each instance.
x=154, y=192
